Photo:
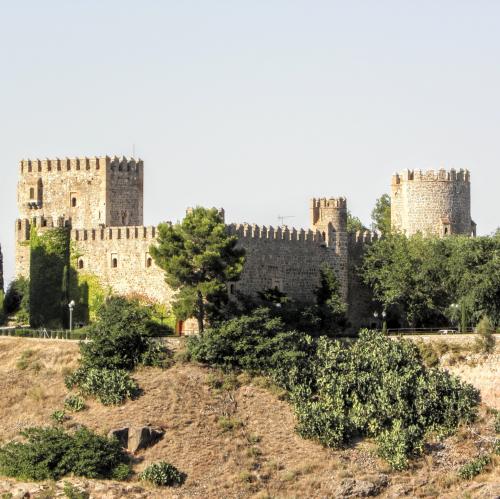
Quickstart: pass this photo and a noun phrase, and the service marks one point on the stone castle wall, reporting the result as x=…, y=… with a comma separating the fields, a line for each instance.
x=287, y=259
x=432, y=203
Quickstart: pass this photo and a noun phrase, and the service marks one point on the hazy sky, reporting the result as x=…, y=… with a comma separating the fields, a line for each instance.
x=256, y=105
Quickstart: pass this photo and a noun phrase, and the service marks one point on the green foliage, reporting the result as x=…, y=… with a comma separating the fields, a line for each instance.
x=58, y=417
x=497, y=421
x=484, y=341
x=381, y=214
x=397, y=444
x=3, y=315
x=74, y=403
x=109, y=386
x=51, y=453
x=420, y=278
x=199, y=257
x=379, y=388
x=118, y=338
x=331, y=309
x=49, y=258
x=17, y=297
x=474, y=468
x=163, y=474
x=354, y=224
x=156, y=355
x=257, y=343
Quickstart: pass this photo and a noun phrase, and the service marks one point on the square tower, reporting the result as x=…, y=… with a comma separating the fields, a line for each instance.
x=83, y=192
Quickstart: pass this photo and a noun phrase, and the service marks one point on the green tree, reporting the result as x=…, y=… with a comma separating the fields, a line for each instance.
x=332, y=309
x=381, y=214
x=199, y=257
x=17, y=299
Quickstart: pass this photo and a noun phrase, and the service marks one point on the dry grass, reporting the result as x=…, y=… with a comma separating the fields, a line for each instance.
x=234, y=437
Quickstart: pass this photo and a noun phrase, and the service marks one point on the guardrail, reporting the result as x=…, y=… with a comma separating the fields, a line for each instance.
x=43, y=333
x=427, y=331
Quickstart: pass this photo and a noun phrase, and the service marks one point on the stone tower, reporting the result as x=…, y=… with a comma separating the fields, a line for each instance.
x=83, y=192
x=329, y=217
x=434, y=203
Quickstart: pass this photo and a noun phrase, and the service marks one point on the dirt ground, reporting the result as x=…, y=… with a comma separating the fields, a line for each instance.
x=233, y=443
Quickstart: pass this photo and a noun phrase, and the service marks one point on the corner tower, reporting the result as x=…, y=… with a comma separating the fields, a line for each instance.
x=434, y=203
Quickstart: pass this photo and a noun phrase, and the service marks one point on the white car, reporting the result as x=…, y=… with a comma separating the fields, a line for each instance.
x=448, y=331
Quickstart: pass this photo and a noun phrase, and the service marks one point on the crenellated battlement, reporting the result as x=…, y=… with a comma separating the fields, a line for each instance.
x=283, y=233
x=340, y=203
x=115, y=233
x=363, y=237
x=441, y=175
x=114, y=164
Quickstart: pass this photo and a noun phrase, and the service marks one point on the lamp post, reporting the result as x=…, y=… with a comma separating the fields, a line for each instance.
x=71, y=306
x=375, y=314
x=384, y=322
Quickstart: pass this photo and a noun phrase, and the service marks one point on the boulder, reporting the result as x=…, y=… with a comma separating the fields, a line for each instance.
x=121, y=434
x=143, y=437
x=368, y=487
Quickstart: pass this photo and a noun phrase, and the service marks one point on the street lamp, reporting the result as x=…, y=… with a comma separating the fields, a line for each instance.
x=384, y=323
x=71, y=306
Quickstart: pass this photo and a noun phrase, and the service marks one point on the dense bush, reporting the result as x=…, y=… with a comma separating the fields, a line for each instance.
x=257, y=343
x=17, y=297
x=163, y=474
x=109, y=386
x=378, y=388
x=74, y=403
x=484, y=341
x=51, y=453
x=119, y=337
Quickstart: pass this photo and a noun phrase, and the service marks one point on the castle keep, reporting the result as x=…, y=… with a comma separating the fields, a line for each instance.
x=100, y=200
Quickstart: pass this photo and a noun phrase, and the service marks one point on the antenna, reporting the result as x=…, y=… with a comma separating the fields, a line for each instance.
x=282, y=218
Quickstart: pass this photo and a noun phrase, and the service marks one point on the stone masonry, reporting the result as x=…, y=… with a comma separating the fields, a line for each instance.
x=432, y=202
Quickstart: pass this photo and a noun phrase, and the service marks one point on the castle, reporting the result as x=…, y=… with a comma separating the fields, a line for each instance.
x=100, y=200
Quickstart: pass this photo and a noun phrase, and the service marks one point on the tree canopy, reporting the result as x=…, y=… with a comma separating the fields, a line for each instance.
x=381, y=214
x=199, y=257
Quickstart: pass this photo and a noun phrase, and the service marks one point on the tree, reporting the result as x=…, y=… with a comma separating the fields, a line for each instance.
x=331, y=308
x=354, y=224
x=199, y=257
x=381, y=214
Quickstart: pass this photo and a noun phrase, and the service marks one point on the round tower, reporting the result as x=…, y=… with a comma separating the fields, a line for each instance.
x=433, y=203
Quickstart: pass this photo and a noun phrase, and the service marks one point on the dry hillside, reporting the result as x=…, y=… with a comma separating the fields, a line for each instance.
x=233, y=443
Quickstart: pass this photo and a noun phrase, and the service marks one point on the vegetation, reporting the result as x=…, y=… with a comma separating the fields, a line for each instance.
x=381, y=214
x=109, y=386
x=374, y=387
x=163, y=474
x=354, y=224
x=484, y=341
x=74, y=403
x=199, y=258
x=474, y=468
x=51, y=453
x=17, y=299
x=419, y=279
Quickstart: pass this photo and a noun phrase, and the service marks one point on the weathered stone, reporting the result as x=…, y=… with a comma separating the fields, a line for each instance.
x=369, y=487
x=143, y=437
x=121, y=434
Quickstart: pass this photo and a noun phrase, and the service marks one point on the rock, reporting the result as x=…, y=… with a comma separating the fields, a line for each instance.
x=143, y=437
x=121, y=434
x=371, y=486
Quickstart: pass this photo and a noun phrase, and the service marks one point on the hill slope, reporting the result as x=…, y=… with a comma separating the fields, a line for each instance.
x=237, y=442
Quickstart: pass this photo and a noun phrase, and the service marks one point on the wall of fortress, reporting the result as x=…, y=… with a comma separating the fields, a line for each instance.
x=287, y=259
x=431, y=202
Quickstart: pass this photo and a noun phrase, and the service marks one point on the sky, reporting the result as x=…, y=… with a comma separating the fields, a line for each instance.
x=254, y=106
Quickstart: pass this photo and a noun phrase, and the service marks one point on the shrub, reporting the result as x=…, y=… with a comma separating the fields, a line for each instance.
x=58, y=417
x=110, y=387
x=156, y=355
x=497, y=421
x=380, y=388
x=72, y=492
x=17, y=296
x=229, y=424
x=24, y=362
x=484, y=341
x=474, y=468
x=163, y=474
x=51, y=453
x=74, y=403
x=119, y=337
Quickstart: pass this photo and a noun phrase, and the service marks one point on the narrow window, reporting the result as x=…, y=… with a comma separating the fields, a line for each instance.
x=73, y=202
x=32, y=193
x=114, y=263
x=324, y=236
x=80, y=264
x=149, y=262
x=446, y=231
